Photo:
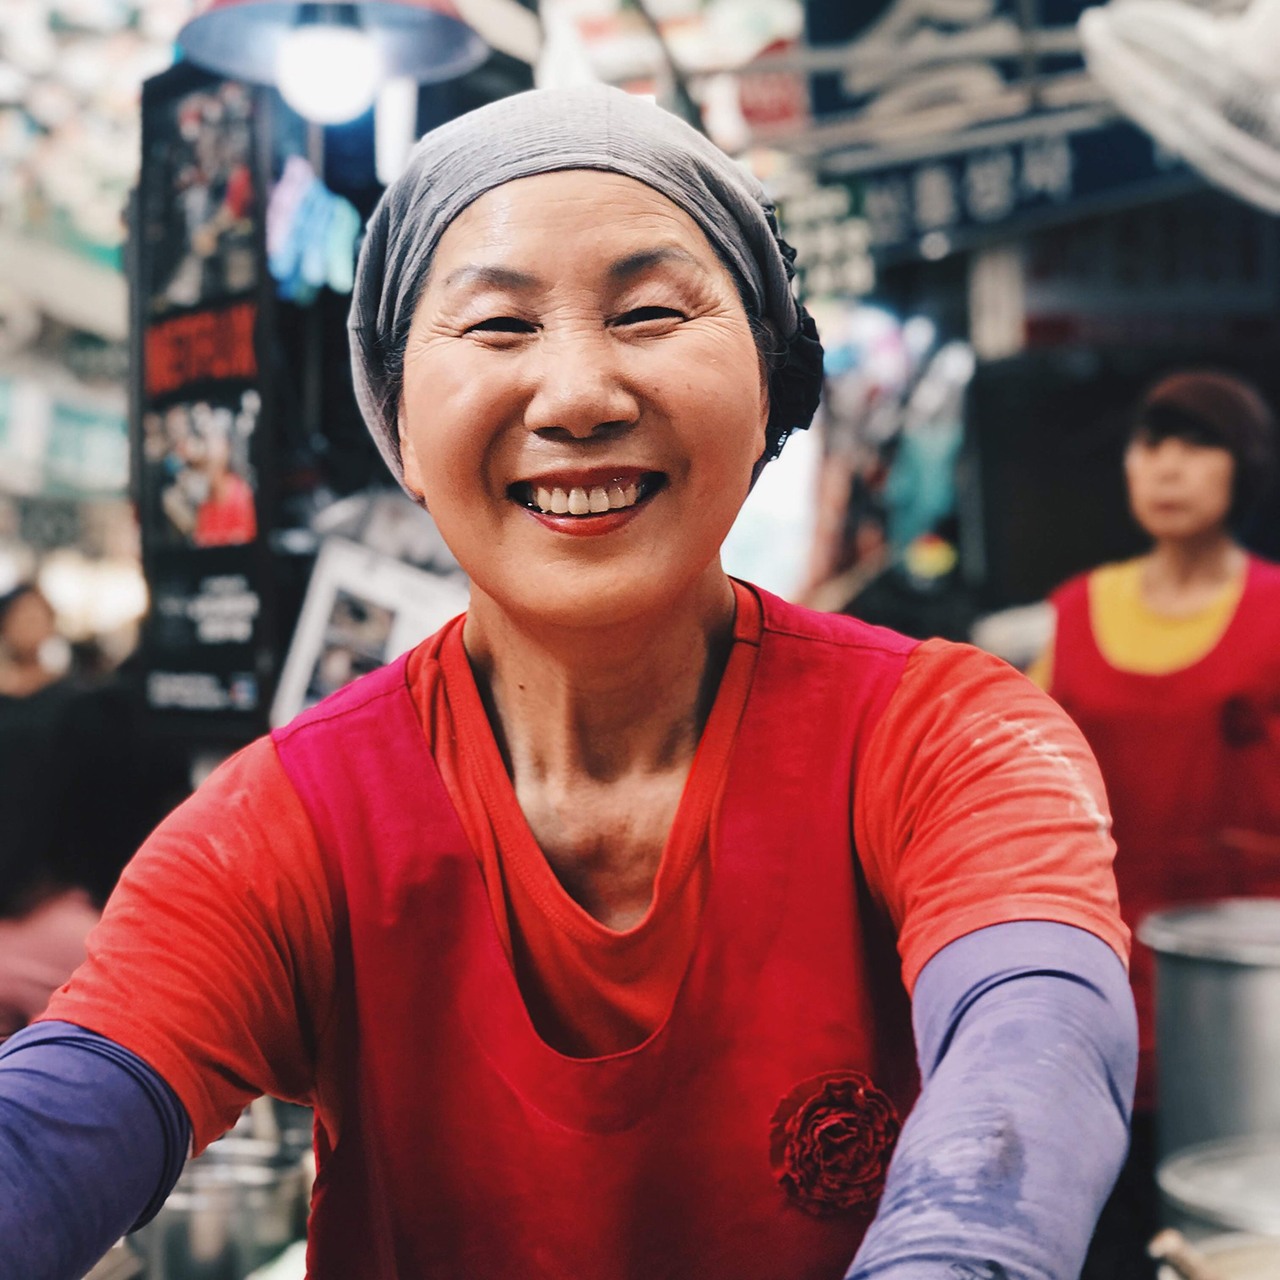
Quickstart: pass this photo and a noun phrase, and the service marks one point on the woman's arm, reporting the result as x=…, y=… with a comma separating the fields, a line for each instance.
x=1027, y=1044
x=213, y=961
x=204, y=983
x=91, y=1142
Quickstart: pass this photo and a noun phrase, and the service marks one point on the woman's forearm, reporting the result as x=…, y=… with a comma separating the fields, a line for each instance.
x=91, y=1142
x=1028, y=1049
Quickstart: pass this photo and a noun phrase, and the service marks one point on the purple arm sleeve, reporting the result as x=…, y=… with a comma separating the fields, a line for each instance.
x=91, y=1142
x=1027, y=1043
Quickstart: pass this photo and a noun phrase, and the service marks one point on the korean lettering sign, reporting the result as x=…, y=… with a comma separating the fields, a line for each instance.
x=830, y=240
x=981, y=188
x=950, y=201
x=957, y=121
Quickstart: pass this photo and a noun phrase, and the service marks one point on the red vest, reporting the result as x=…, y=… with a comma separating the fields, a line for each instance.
x=746, y=1138
x=1191, y=761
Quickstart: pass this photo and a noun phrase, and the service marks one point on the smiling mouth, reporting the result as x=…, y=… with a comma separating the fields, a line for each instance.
x=585, y=501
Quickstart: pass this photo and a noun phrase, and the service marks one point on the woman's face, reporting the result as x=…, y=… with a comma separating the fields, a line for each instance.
x=1178, y=489
x=28, y=623
x=583, y=401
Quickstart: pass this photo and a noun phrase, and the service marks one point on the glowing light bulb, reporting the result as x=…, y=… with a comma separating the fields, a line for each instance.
x=328, y=73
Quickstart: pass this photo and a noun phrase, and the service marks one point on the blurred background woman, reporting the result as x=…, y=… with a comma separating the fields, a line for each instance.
x=44, y=918
x=79, y=788
x=1170, y=664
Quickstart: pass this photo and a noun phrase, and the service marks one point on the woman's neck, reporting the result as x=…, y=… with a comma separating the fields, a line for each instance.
x=1181, y=575
x=600, y=703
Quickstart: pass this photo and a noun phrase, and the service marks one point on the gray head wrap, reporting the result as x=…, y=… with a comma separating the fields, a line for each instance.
x=594, y=127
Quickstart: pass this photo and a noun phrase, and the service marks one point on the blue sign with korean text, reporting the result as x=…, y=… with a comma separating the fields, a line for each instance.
x=955, y=121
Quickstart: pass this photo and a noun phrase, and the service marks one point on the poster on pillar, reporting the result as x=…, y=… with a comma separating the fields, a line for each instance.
x=198, y=454
x=958, y=122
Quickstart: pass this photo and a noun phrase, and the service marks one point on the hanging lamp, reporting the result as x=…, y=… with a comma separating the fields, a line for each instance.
x=329, y=60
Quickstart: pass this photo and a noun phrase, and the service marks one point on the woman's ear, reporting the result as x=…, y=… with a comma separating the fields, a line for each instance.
x=762, y=424
x=769, y=348
x=409, y=463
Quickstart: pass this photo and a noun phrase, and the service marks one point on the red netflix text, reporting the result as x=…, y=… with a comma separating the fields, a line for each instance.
x=210, y=345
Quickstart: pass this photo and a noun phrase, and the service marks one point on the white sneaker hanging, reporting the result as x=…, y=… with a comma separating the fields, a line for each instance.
x=1205, y=85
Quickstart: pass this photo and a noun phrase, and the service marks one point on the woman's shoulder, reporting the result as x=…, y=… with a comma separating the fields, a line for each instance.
x=245, y=813
x=960, y=671
x=364, y=694
x=1115, y=575
x=781, y=617
x=1264, y=575
x=1123, y=574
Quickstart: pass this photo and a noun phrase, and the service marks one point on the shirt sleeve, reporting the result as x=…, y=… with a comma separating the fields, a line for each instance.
x=213, y=961
x=978, y=802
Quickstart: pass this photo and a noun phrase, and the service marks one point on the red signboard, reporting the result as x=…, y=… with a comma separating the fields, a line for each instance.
x=204, y=346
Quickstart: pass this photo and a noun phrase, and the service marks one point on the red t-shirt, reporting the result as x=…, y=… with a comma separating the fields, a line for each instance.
x=977, y=803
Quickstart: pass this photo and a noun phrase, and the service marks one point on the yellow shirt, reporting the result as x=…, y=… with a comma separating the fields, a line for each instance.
x=1132, y=636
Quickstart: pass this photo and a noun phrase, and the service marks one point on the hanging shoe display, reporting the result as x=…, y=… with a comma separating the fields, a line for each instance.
x=1205, y=85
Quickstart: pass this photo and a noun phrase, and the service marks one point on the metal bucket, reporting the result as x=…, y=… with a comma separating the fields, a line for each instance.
x=1217, y=1019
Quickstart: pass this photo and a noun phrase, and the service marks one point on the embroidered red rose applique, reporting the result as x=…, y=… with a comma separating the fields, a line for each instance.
x=830, y=1142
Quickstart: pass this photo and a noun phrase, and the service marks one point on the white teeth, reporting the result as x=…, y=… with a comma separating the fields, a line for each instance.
x=581, y=501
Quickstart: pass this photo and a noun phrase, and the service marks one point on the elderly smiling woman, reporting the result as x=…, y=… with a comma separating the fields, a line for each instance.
x=593, y=928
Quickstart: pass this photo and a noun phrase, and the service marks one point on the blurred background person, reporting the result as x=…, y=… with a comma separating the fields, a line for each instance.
x=42, y=924
x=31, y=656
x=77, y=792
x=1170, y=664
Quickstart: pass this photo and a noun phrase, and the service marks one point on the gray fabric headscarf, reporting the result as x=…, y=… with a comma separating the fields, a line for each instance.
x=593, y=127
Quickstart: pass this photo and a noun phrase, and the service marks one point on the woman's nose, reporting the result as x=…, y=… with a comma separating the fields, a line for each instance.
x=580, y=389
x=1170, y=456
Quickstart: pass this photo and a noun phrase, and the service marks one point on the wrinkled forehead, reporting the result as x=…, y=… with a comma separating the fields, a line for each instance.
x=545, y=132
x=554, y=222
x=530, y=201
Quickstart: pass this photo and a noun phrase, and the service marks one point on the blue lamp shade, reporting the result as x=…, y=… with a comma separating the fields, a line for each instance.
x=424, y=40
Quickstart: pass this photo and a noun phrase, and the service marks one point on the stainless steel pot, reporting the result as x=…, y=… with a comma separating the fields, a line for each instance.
x=234, y=1207
x=1217, y=1019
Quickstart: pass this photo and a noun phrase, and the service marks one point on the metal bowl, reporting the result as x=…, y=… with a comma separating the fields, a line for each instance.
x=1238, y=1257
x=1232, y=1185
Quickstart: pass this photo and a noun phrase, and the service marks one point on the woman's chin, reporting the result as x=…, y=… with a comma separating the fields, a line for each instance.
x=1178, y=529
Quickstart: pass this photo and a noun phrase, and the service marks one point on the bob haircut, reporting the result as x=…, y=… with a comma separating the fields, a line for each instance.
x=1215, y=411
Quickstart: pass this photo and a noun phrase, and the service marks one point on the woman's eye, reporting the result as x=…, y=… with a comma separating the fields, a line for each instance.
x=502, y=324
x=640, y=314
